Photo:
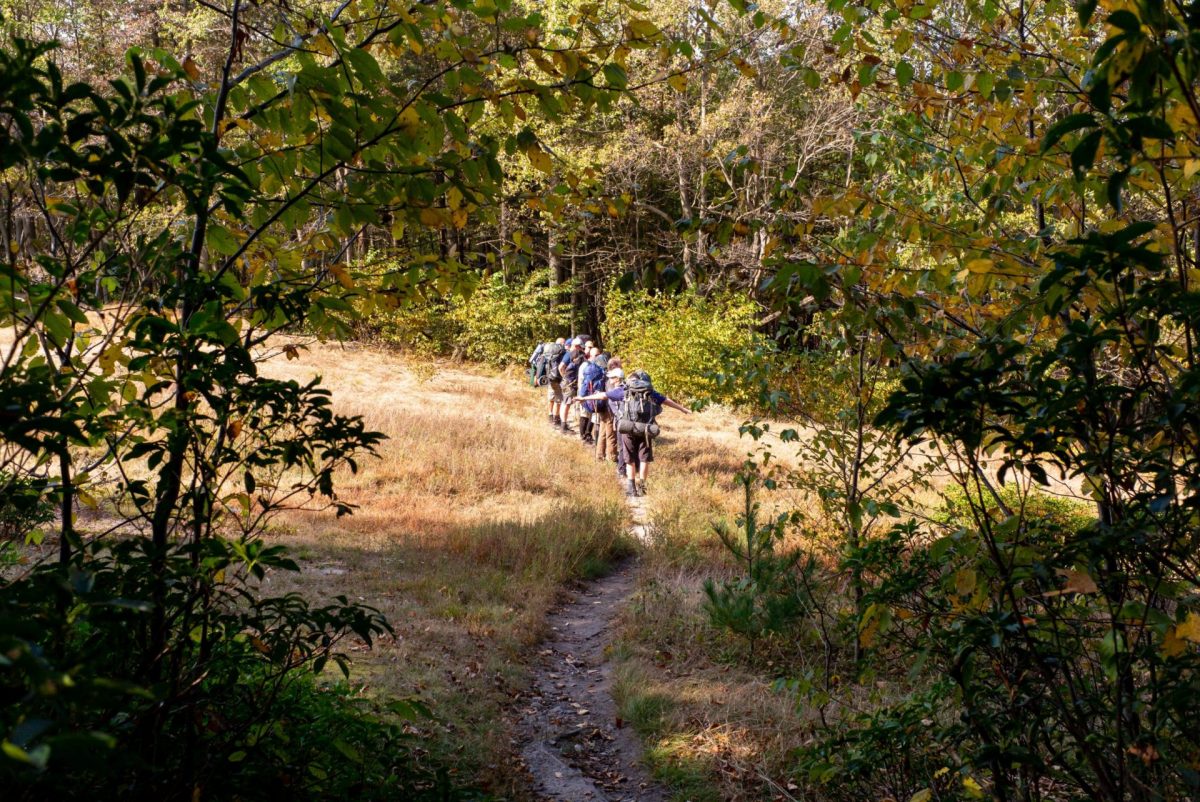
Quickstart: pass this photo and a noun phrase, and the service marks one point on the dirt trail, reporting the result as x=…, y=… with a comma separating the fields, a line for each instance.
x=575, y=748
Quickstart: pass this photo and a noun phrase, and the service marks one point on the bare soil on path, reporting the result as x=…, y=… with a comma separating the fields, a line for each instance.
x=574, y=744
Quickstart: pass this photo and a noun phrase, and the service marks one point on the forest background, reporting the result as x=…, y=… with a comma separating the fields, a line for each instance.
x=940, y=254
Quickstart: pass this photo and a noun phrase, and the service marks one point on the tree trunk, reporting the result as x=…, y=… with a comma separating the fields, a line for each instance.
x=555, y=269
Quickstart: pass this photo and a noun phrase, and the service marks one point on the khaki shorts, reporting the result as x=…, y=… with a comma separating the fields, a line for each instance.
x=554, y=392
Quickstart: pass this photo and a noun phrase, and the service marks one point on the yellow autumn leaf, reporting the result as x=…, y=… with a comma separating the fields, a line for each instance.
x=459, y=217
x=641, y=29
x=1190, y=167
x=924, y=795
x=972, y=788
x=342, y=275
x=433, y=218
x=745, y=67
x=964, y=582
x=678, y=82
x=539, y=159
x=1172, y=645
x=1078, y=582
x=409, y=121
x=1190, y=628
x=980, y=265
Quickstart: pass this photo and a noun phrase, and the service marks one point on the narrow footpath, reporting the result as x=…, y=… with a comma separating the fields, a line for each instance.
x=575, y=747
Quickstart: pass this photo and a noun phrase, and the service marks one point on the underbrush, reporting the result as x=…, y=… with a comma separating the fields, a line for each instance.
x=1064, y=512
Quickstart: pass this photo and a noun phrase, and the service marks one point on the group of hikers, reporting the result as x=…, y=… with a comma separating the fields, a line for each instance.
x=615, y=412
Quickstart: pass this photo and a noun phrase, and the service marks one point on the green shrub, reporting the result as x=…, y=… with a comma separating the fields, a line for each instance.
x=428, y=330
x=499, y=324
x=1059, y=512
x=246, y=718
x=905, y=749
x=24, y=506
x=769, y=597
x=503, y=320
x=683, y=341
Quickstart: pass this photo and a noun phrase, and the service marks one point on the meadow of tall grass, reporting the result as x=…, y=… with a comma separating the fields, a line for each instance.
x=467, y=526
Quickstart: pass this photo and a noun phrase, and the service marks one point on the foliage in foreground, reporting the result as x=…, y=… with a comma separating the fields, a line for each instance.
x=1046, y=325
x=162, y=228
x=236, y=717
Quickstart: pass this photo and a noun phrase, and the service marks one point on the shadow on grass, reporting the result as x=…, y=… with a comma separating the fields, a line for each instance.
x=466, y=601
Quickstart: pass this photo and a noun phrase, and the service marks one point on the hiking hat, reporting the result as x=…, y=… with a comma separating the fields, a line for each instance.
x=577, y=342
x=616, y=373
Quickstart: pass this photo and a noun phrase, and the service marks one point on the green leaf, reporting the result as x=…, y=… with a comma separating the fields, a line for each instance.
x=221, y=241
x=616, y=76
x=904, y=73
x=1072, y=122
x=1083, y=156
x=1126, y=20
x=984, y=82
x=1116, y=183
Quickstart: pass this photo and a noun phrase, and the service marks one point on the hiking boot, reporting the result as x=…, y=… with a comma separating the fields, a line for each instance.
x=588, y=441
x=640, y=489
x=630, y=489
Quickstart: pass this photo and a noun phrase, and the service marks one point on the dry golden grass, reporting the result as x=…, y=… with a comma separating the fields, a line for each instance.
x=467, y=526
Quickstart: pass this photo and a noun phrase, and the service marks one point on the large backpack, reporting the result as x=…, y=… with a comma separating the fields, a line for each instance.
x=637, y=412
x=552, y=354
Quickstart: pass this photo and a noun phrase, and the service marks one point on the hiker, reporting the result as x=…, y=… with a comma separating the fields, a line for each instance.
x=635, y=405
x=591, y=380
x=606, y=433
x=551, y=354
x=535, y=360
x=568, y=369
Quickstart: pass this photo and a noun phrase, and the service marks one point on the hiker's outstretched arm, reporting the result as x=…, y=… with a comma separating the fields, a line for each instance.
x=673, y=404
x=592, y=397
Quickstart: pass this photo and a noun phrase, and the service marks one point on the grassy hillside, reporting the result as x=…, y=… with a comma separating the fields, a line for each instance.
x=472, y=520
x=466, y=528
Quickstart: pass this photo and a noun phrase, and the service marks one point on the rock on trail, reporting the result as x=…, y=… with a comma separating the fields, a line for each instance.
x=575, y=748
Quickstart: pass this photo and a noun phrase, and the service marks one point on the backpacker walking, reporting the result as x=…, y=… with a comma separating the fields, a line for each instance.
x=635, y=406
x=591, y=380
x=606, y=432
x=552, y=354
x=568, y=369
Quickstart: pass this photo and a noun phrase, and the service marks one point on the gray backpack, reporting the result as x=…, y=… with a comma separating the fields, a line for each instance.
x=552, y=354
x=637, y=412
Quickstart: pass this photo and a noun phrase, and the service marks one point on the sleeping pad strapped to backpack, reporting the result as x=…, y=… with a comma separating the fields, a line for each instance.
x=638, y=411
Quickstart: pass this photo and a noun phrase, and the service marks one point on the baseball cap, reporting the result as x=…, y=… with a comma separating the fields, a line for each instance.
x=616, y=373
x=577, y=341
